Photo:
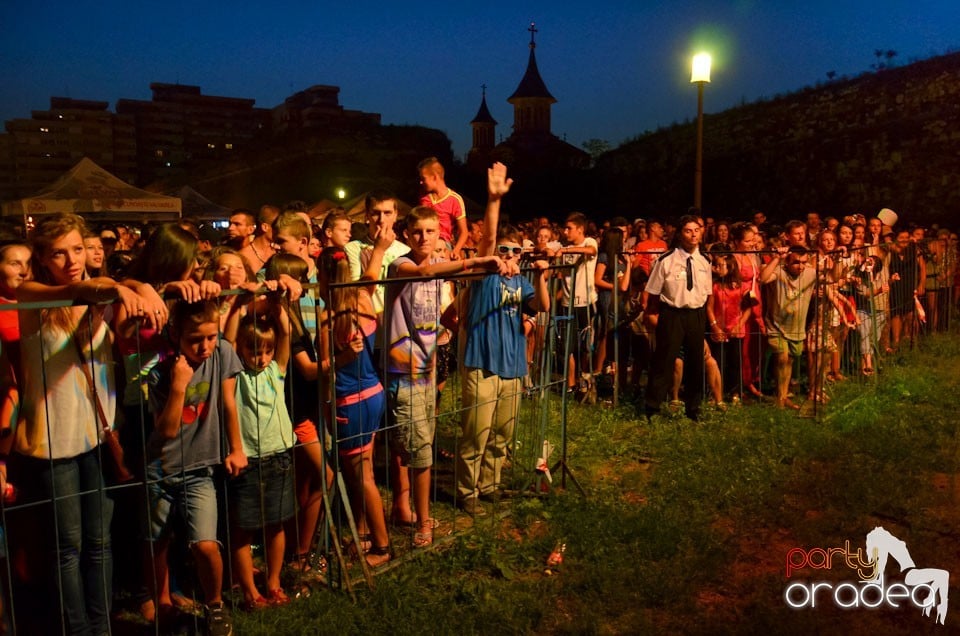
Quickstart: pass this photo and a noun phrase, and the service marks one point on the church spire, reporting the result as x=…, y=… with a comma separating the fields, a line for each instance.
x=483, y=115
x=531, y=101
x=484, y=132
x=532, y=85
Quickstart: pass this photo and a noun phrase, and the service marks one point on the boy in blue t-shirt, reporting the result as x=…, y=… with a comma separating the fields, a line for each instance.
x=494, y=359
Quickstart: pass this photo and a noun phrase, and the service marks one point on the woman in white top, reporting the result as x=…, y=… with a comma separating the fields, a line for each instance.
x=58, y=438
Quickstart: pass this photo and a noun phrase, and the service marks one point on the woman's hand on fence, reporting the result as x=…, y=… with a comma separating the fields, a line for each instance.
x=290, y=285
x=153, y=305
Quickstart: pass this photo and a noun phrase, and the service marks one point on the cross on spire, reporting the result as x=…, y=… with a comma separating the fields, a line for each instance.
x=484, y=87
x=533, y=32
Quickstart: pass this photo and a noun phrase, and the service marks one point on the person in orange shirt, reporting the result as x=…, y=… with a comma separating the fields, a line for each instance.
x=647, y=251
x=448, y=204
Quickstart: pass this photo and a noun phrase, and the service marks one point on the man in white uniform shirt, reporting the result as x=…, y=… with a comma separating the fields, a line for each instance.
x=679, y=287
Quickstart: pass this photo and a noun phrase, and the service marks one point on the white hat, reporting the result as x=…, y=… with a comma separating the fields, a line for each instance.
x=887, y=216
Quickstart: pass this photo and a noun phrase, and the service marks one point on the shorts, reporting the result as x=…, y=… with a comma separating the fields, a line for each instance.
x=781, y=345
x=262, y=495
x=825, y=338
x=190, y=495
x=412, y=418
x=358, y=418
x=306, y=432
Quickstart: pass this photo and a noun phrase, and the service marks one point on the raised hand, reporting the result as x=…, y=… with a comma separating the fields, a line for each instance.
x=498, y=184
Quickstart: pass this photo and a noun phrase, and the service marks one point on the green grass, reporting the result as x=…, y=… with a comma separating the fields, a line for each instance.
x=684, y=526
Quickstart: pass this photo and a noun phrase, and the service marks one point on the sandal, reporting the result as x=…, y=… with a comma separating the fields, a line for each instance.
x=790, y=405
x=255, y=605
x=277, y=597
x=184, y=604
x=361, y=548
x=423, y=538
x=378, y=555
x=310, y=566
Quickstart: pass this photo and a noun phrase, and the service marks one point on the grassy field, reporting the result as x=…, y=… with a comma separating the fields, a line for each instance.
x=685, y=527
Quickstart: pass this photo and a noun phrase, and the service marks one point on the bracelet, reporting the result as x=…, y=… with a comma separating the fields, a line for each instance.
x=713, y=324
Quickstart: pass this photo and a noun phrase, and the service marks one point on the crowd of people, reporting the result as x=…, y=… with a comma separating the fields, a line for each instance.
x=238, y=373
x=829, y=299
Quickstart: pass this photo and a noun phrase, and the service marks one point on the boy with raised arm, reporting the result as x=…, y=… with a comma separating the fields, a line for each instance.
x=494, y=359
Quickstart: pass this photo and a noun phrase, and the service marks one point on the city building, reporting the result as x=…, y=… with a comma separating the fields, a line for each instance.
x=317, y=109
x=35, y=152
x=178, y=133
x=180, y=128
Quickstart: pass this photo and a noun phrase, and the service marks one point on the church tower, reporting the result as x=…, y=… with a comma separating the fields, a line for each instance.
x=531, y=101
x=484, y=128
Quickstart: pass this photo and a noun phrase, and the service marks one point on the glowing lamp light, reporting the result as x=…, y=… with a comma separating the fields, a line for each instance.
x=341, y=194
x=701, y=68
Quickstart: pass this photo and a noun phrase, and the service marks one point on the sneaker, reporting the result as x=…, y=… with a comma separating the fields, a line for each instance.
x=218, y=620
x=473, y=507
x=497, y=494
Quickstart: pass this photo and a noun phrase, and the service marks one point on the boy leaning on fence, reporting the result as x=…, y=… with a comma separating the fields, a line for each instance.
x=413, y=319
x=494, y=360
x=192, y=397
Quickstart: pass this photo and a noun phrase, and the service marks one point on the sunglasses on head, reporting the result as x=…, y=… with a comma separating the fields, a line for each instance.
x=507, y=249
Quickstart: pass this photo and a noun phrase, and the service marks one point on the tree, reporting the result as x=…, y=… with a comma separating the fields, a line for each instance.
x=878, y=65
x=596, y=147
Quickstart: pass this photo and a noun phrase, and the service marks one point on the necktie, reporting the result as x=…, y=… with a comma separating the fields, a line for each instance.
x=689, y=273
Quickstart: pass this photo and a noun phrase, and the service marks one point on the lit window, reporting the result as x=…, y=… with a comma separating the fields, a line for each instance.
x=158, y=153
x=228, y=146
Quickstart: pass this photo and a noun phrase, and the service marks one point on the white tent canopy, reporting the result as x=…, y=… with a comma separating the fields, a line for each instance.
x=92, y=192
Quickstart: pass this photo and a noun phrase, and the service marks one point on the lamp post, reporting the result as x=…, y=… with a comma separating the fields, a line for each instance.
x=699, y=76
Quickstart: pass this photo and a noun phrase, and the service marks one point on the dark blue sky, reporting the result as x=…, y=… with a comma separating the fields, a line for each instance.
x=617, y=67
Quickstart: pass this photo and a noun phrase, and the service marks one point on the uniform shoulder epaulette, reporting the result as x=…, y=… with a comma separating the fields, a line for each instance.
x=667, y=253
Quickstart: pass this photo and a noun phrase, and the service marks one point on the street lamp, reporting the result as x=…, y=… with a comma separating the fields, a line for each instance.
x=341, y=194
x=699, y=76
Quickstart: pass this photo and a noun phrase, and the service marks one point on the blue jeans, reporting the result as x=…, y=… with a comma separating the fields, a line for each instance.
x=84, y=563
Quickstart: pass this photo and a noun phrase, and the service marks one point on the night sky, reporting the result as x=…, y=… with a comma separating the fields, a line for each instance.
x=617, y=68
